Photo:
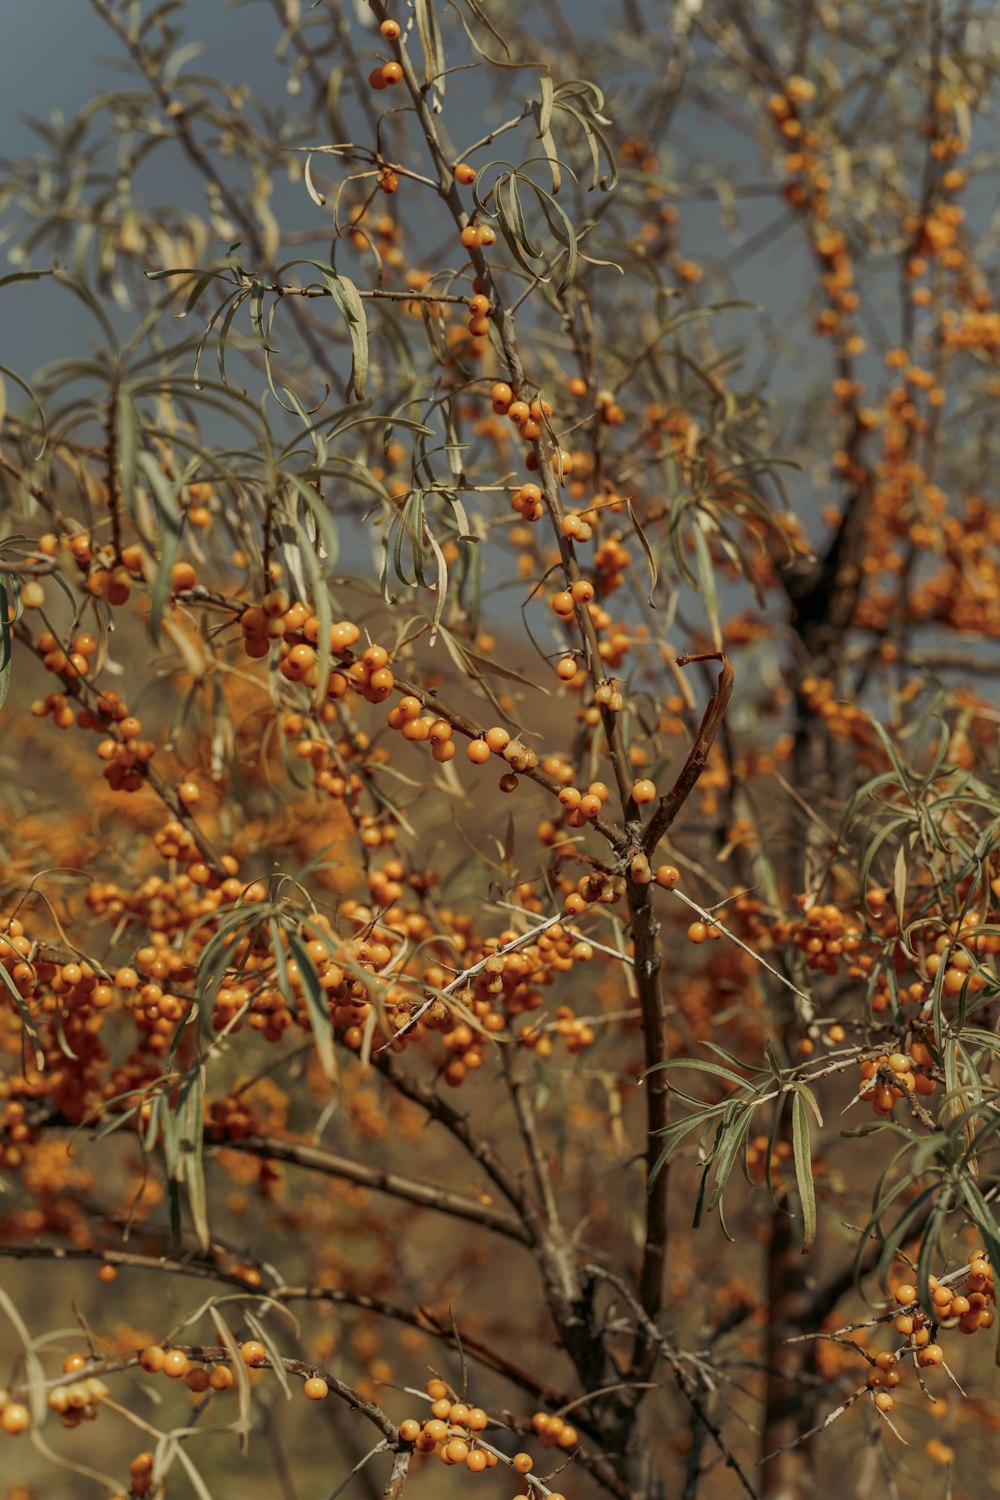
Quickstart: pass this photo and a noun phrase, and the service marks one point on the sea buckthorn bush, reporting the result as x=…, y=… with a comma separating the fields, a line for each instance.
x=500, y=907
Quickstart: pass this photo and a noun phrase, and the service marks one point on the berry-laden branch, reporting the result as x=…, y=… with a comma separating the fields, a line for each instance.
x=429, y=699
x=107, y=717
x=424, y=1319
x=564, y=1291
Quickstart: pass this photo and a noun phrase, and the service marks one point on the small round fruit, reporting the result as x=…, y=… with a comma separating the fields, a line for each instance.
x=643, y=791
x=15, y=1419
x=667, y=876
x=316, y=1388
x=392, y=72
x=390, y=30
x=478, y=751
x=176, y=1364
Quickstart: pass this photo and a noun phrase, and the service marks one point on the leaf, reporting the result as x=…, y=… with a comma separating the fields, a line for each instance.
x=5, y=644
x=12, y=375
x=240, y=1371
x=707, y=581
x=316, y=1005
x=22, y=1009
x=425, y=15
x=654, y=571
x=170, y=524
x=273, y=1352
x=899, y=881
x=803, y=1169
x=197, y=1483
x=543, y=119
x=732, y=1142
x=345, y=294
x=191, y=1113
x=699, y=1065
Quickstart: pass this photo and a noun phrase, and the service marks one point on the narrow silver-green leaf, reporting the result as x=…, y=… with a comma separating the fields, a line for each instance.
x=803, y=1169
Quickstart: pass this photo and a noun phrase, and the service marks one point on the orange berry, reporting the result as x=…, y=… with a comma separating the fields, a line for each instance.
x=253, y=1353
x=697, y=932
x=667, y=876
x=464, y=174
x=189, y=793
x=15, y=1419
x=316, y=1388
x=182, y=576
x=409, y=1430
x=390, y=30
x=501, y=395
x=478, y=751
x=152, y=1359
x=175, y=1364
x=643, y=791
x=392, y=72
x=522, y=1463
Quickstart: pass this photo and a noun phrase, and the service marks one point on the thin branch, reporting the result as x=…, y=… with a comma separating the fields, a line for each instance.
x=423, y=1194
